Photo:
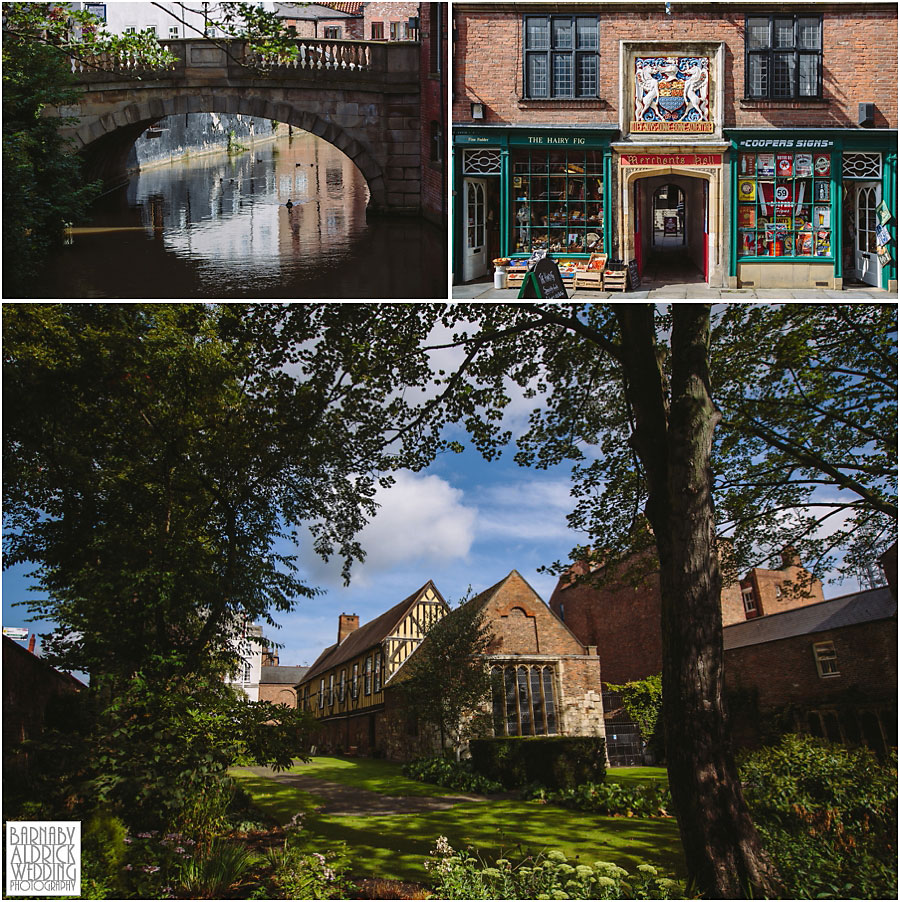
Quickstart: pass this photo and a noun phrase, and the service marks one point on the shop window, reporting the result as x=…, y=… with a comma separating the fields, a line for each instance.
x=332, y=32
x=826, y=659
x=378, y=31
x=523, y=700
x=783, y=56
x=785, y=205
x=562, y=57
x=558, y=201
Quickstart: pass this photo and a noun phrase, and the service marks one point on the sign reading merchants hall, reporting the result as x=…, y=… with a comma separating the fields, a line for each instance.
x=671, y=94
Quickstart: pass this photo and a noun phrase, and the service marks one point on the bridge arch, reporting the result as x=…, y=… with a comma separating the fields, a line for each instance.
x=107, y=140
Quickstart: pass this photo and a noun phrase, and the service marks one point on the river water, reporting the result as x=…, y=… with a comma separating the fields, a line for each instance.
x=218, y=227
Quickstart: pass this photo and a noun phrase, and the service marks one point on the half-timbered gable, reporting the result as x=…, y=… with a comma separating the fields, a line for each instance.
x=344, y=688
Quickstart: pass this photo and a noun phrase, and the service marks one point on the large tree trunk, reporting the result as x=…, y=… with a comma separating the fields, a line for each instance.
x=673, y=436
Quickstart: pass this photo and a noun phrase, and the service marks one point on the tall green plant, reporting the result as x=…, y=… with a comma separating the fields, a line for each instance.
x=643, y=700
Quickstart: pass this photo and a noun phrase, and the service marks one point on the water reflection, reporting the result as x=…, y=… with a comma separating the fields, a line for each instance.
x=219, y=227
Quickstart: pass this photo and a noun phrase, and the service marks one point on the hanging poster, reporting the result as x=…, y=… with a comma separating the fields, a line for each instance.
x=882, y=235
x=746, y=190
x=765, y=166
x=784, y=199
x=884, y=214
x=823, y=164
x=822, y=218
x=784, y=165
x=885, y=257
x=803, y=165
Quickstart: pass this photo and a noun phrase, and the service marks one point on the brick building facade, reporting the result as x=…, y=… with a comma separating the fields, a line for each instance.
x=433, y=75
x=766, y=135
x=829, y=669
x=544, y=681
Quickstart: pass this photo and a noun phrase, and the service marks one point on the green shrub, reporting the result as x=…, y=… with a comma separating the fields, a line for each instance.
x=629, y=800
x=828, y=816
x=452, y=774
x=461, y=875
x=103, y=851
x=214, y=871
x=300, y=874
x=557, y=762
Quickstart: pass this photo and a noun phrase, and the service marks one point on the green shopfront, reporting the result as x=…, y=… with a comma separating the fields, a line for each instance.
x=518, y=190
x=815, y=208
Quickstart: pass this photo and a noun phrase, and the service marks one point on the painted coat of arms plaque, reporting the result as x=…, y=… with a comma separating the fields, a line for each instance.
x=671, y=94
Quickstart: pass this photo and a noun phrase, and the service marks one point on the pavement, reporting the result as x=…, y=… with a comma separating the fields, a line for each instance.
x=350, y=801
x=485, y=290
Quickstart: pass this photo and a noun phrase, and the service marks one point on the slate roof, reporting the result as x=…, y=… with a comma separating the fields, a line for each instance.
x=366, y=636
x=847, y=610
x=290, y=676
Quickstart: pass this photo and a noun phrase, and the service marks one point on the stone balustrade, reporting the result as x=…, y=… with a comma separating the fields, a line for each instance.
x=395, y=61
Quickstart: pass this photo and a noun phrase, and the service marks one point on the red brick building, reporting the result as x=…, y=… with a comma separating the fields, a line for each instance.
x=388, y=21
x=765, y=136
x=829, y=669
x=335, y=21
x=545, y=681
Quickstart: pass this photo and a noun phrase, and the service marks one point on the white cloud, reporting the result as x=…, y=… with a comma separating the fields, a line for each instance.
x=421, y=520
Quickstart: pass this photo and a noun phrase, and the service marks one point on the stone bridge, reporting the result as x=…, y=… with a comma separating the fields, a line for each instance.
x=361, y=97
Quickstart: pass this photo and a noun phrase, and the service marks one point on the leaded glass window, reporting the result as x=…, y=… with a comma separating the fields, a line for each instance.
x=783, y=56
x=561, y=58
x=523, y=700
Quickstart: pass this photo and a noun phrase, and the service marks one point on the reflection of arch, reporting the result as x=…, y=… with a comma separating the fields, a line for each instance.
x=105, y=141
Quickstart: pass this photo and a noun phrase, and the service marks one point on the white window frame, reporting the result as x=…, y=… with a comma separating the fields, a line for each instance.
x=826, y=658
x=748, y=596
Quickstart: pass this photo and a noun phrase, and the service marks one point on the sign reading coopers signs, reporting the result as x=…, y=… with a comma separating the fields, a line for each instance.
x=671, y=94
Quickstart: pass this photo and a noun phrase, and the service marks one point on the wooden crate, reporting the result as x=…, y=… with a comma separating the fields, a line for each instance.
x=590, y=279
x=615, y=281
x=515, y=277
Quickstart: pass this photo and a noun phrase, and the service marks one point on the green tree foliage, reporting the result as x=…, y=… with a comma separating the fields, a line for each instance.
x=445, y=679
x=807, y=448
x=155, y=467
x=43, y=189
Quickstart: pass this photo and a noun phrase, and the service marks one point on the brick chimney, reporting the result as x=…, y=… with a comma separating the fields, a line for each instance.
x=790, y=558
x=347, y=623
x=31, y=643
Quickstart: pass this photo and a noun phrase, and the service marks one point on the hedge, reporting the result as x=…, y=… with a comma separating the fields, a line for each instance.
x=557, y=762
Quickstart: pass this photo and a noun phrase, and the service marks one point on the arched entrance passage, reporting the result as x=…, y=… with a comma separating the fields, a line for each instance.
x=699, y=258
x=672, y=239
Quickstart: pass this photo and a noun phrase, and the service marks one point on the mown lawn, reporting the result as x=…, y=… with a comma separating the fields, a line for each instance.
x=397, y=846
x=637, y=775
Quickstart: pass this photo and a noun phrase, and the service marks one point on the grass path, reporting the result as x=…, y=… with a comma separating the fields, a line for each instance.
x=396, y=846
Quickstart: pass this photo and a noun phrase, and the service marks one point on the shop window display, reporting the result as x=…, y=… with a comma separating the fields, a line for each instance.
x=785, y=205
x=557, y=201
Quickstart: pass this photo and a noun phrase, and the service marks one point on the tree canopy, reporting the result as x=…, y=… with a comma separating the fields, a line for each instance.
x=159, y=462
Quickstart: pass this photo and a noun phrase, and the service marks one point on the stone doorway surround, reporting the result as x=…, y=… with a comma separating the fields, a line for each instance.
x=713, y=173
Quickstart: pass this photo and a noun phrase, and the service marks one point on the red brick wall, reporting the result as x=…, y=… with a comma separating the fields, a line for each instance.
x=523, y=624
x=791, y=580
x=866, y=659
x=278, y=693
x=387, y=13
x=351, y=29
x=434, y=104
x=622, y=620
x=859, y=63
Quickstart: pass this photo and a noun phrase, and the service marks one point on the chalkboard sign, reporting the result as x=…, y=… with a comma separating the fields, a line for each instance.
x=633, y=277
x=544, y=281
